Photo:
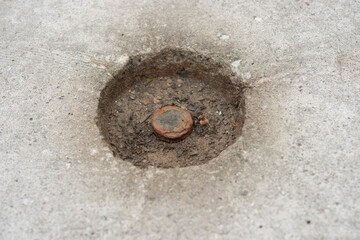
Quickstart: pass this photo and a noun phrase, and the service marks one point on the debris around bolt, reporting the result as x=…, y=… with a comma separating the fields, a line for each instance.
x=129, y=124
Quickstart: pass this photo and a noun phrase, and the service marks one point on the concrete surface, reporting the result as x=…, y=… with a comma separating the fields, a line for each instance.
x=294, y=174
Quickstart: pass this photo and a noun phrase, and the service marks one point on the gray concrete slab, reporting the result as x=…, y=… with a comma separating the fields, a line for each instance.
x=294, y=174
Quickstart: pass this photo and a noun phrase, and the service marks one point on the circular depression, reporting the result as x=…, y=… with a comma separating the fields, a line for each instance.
x=188, y=80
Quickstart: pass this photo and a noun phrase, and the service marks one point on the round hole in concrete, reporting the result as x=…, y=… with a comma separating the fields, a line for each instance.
x=196, y=83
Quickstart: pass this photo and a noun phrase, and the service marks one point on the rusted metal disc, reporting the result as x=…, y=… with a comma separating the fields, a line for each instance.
x=171, y=123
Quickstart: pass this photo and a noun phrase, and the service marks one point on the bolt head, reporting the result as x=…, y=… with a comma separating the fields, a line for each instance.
x=171, y=123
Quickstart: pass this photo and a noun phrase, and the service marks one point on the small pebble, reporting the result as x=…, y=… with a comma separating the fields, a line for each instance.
x=156, y=100
x=179, y=153
x=145, y=101
x=191, y=107
x=194, y=154
x=204, y=122
x=201, y=89
x=223, y=36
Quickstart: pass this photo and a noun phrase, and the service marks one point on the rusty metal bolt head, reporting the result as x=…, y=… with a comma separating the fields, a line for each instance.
x=171, y=123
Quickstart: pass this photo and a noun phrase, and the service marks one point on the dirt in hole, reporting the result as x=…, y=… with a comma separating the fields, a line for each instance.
x=129, y=131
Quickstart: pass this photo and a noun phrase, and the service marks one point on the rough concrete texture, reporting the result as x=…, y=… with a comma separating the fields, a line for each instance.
x=294, y=174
